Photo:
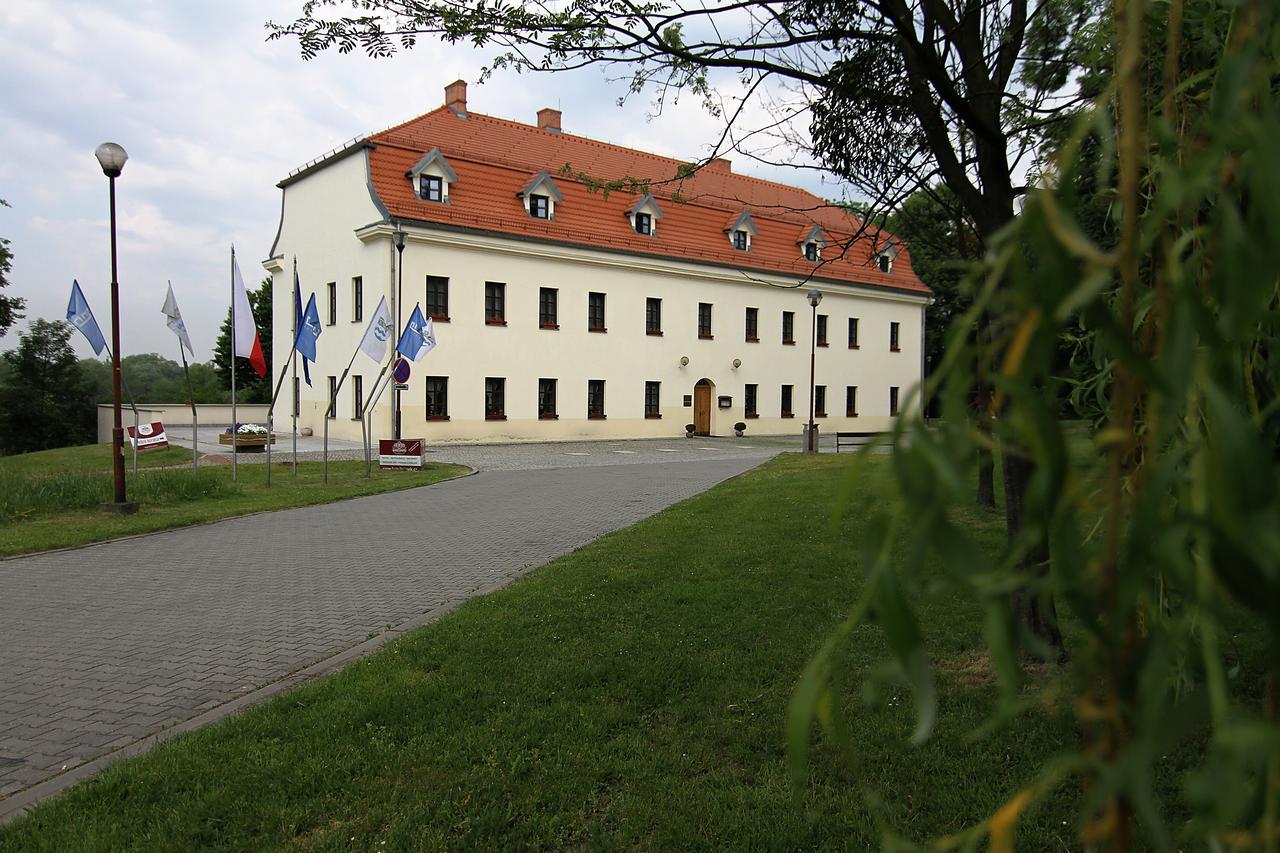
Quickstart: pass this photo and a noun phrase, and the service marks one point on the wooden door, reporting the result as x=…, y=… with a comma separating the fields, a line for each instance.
x=702, y=408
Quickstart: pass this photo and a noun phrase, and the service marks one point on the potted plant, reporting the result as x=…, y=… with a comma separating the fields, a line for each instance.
x=739, y=428
x=688, y=430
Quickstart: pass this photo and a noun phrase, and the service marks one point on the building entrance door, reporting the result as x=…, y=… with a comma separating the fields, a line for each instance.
x=702, y=407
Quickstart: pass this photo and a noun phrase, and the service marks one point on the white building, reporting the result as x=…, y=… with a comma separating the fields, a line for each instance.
x=565, y=311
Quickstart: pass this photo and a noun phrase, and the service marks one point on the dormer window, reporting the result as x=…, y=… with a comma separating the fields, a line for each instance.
x=431, y=176
x=812, y=252
x=431, y=188
x=740, y=229
x=740, y=240
x=540, y=196
x=812, y=242
x=644, y=215
x=644, y=223
x=885, y=263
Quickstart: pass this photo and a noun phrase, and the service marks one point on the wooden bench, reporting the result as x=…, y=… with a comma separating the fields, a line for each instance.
x=854, y=439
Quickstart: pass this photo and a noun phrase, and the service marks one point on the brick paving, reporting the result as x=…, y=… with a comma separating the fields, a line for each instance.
x=103, y=646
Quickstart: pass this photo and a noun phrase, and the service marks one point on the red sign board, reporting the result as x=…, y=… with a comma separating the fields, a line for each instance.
x=400, y=453
x=149, y=436
x=400, y=370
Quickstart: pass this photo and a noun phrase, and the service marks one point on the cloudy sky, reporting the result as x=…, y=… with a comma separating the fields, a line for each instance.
x=213, y=116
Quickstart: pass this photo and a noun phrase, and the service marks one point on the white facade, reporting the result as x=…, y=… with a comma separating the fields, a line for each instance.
x=337, y=232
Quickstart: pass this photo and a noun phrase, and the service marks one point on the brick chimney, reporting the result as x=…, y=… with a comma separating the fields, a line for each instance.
x=549, y=119
x=719, y=164
x=455, y=96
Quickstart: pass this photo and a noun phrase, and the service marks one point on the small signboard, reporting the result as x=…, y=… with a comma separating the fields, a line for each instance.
x=400, y=453
x=400, y=371
x=149, y=436
x=402, y=386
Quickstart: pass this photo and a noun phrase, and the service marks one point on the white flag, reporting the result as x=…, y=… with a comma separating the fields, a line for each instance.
x=245, y=333
x=174, y=321
x=428, y=339
x=374, y=342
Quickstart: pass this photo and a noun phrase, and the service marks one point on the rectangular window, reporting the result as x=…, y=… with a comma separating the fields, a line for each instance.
x=495, y=402
x=644, y=223
x=547, y=297
x=595, y=399
x=547, y=400
x=333, y=398
x=853, y=333
x=753, y=325
x=822, y=330
x=786, y=402
x=740, y=240
x=749, y=394
x=495, y=303
x=651, y=409
x=437, y=398
x=893, y=337
x=653, y=316
x=332, y=288
x=357, y=397
x=893, y=400
x=431, y=187
x=810, y=251
x=820, y=401
x=539, y=207
x=357, y=299
x=851, y=401
x=704, y=320
x=438, y=298
x=788, y=327
x=595, y=312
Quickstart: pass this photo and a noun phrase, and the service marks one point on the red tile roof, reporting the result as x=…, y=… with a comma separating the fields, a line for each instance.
x=495, y=158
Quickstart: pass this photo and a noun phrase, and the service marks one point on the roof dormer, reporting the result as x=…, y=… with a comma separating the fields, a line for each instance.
x=741, y=231
x=540, y=196
x=644, y=215
x=431, y=177
x=812, y=241
x=886, y=256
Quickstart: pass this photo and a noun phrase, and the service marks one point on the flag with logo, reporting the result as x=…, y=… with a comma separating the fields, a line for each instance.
x=308, y=331
x=245, y=333
x=418, y=338
x=297, y=321
x=81, y=316
x=173, y=319
x=374, y=342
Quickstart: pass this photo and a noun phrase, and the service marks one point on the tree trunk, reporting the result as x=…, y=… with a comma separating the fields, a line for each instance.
x=986, y=479
x=1033, y=600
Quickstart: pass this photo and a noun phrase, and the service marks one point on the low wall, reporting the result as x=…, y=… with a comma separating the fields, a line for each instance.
x=179, y=414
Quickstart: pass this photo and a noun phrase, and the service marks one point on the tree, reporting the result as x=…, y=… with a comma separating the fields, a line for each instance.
x=10, y=306
x=250, y=388
x=44, y=401
x=898, y=93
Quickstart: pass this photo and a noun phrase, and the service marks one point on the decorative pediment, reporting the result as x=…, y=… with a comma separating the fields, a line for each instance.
x=646, y=204
x=814, y=234
x=433, y=162
x=542, y=184
x=743, y=222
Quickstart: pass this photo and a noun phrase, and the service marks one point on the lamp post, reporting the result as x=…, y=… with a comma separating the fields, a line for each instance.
x=811, y=435
x=399, y=242
x=112, y=157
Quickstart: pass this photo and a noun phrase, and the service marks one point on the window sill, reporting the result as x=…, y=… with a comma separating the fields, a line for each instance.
x=601, y=330
x=550, y=327
x=850, y=414
x=788, y=343
x=788, y=414
x=753, y=340
x=495, y=322
x=823, y=344
x=596, y=417
x=495, y=417
x=357, y=419
x=439, y=318
x=749, y=415
x=656, y=417
x=702, y=337
x=437, y=417
x=654, y=334
x=548, y=417
x=820, y=414
x=895, y=349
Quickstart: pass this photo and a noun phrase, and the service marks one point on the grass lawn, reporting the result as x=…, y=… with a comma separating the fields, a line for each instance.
x=49, y=499
x=631, y=694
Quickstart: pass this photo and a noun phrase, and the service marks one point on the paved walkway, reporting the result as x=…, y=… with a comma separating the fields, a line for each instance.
x=106, y=645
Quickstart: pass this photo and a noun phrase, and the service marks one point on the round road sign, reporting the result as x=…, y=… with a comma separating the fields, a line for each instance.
x=400, y=372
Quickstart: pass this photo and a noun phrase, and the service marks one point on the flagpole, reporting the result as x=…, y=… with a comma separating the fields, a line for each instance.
x=132, y=405
x=191, y=394
x=366, y=420
x=375, y=395
x=234, y=423
x=297, y=299
x=333, y=409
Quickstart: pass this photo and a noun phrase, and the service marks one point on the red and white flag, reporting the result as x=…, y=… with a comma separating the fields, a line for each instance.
x=245, y=333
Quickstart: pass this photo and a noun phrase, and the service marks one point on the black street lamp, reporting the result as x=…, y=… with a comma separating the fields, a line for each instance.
x=399, y=241
x=112, y=157
x=811, y=436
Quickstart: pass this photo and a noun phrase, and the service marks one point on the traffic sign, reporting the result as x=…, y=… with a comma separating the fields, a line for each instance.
x=400, y=372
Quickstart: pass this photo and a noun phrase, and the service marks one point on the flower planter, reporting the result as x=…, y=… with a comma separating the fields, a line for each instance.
x=246, y=442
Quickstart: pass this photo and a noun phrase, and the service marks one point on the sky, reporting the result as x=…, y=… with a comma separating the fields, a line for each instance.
x=213, y=116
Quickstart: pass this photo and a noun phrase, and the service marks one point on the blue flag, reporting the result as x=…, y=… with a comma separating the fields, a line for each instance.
x=412, y=339
x=81, y=316
x=297, y=322
x=309, y=332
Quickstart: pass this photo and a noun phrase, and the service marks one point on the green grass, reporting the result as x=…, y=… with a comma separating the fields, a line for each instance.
x=50, y=499
x=631, y=694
